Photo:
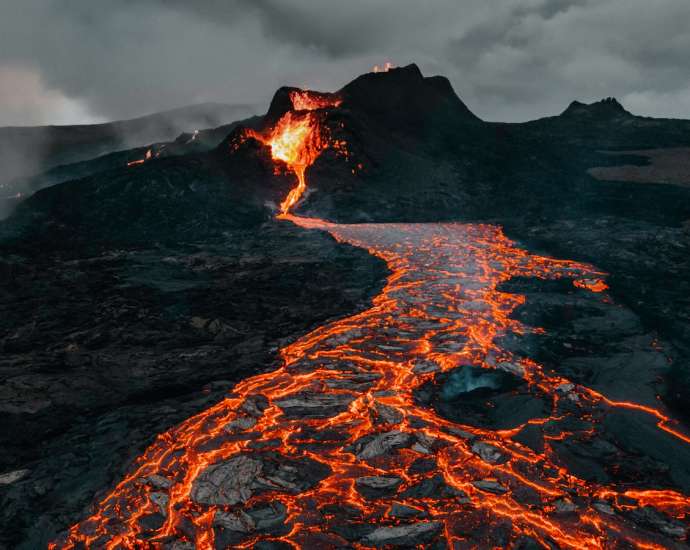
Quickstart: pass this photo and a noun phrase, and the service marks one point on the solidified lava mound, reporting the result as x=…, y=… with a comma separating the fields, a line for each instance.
x=489, y=398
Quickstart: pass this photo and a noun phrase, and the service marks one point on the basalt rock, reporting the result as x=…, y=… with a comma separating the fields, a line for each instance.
x=372, y=446
x=377, y=486
x=402, y=511
x=229, y=482
x=314, y=405
x=385, y=414
x=490, y=486
x=236, y=480
x=403, y=535
x=488, y=452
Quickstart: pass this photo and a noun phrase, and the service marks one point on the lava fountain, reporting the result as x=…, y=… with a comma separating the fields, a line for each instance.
x=298, y=138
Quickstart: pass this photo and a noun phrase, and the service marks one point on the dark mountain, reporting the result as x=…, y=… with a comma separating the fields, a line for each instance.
x=415, y=153
x=157, y=127
x=404, y=99
x=114, y=279
x=175, y=198
x=606, y=124
x=606, y=109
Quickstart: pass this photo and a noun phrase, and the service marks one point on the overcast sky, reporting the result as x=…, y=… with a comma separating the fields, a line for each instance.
x=70, y=61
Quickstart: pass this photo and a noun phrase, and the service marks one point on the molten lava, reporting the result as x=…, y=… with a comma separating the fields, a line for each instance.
x=297, y=142
x=305, y=100
x=595, y=285
x=298, y=139
x=343, y=404
x=147, y=156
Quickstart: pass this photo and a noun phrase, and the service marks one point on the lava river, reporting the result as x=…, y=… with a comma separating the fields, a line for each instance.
x=336, y=449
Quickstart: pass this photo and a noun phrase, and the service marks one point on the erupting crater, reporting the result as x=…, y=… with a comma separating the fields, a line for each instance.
x=335, y=448
x=298, y=138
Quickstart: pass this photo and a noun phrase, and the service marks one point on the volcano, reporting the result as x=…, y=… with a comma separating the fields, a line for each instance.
x=366, y=319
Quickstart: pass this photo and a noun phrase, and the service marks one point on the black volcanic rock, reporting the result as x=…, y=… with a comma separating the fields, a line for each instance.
x=166, y=199
x=489, y=398
x=186, y=143
x=241, y=154
x=403, y=98
x=410, y=535
x=280, y=104
x=176, y=198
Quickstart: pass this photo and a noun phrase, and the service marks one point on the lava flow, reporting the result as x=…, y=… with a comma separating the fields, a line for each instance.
x=339, y=447
x=137, y=162
x=334, y=446
x=159, y=149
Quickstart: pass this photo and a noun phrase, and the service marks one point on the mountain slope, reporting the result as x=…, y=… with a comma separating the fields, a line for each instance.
x=25, y=151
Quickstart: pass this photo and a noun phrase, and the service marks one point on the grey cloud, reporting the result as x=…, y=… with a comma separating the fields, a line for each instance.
x=510, y=60
x=550, y=9
x=531, y=62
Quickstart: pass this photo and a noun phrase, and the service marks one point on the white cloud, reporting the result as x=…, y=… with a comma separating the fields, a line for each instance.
x=675, y=104
x=27, y=101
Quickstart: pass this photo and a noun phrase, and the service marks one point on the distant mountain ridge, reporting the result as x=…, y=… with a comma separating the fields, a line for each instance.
x=25, y=151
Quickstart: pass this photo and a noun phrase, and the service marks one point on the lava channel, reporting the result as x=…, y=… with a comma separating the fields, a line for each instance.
x=334, y=450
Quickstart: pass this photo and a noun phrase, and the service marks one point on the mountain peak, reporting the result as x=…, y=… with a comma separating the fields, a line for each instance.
x=404, y=94
x=606, y=108
x=397, y=97
x=280, y=104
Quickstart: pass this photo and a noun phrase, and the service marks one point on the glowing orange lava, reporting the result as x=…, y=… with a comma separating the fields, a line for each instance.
x=595, y=285
x=147, y=156
x=298, y=139
x=344, y=398
x=305, y=100
x=386, y=67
